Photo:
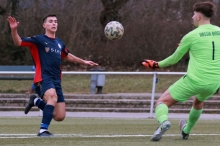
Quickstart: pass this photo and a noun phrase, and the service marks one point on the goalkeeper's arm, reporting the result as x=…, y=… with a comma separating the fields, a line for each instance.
x=173, y=59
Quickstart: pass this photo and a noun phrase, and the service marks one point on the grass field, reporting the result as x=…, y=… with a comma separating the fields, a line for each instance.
x=113, y=84
x=103, y=131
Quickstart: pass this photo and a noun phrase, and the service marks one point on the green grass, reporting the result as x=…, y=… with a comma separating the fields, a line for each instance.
x=113, y=84
x=100, y=131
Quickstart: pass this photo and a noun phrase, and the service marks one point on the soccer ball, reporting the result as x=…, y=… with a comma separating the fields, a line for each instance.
x=114, y=30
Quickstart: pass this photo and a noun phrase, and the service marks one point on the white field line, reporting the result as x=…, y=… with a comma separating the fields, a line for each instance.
x=92, y=136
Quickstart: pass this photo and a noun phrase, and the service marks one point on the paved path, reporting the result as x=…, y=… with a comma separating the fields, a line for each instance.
x=106, y=115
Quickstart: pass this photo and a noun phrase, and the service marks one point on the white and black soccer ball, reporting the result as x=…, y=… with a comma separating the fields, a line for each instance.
x=114, y=30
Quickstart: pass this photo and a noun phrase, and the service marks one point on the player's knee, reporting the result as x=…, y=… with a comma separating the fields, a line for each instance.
x=50, y=96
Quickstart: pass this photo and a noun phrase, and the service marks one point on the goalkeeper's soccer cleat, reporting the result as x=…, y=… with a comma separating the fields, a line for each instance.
x=160, y=131
x=45, y=134
x=30, y=104
x=182, y=125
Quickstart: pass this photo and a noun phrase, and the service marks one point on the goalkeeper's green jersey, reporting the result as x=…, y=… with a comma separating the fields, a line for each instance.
x=203, y=44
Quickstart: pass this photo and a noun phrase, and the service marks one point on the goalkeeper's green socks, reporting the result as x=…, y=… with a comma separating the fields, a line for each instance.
x=193, y=118
x=161, y=112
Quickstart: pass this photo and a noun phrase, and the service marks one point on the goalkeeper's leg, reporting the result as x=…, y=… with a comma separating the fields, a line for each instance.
x=194, y=115
x=161, y=113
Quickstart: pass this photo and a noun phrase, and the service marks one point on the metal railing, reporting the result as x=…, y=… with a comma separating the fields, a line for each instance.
x=111, y=73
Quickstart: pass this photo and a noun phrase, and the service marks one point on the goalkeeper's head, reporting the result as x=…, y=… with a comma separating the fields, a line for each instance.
x=203, y=11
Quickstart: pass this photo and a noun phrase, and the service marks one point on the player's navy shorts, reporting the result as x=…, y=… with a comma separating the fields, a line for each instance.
x=43, y=86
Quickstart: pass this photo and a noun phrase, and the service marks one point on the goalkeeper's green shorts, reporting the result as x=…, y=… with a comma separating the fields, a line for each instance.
x=184, y=88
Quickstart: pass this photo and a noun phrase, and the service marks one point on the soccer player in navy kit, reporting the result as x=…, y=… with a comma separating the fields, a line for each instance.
x=47, y=52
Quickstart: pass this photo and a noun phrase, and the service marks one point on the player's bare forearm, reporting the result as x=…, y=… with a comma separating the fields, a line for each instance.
x=72, y=58
x=16, y=38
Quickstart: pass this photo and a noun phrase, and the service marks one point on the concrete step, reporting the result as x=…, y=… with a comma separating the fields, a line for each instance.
x=109, y=103
x=93, y=96
x=131, y=110
x=103, y=96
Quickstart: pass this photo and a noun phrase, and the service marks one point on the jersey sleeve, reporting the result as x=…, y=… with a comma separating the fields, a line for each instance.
x=64, y=52
x=28, y=42
x=182, y=49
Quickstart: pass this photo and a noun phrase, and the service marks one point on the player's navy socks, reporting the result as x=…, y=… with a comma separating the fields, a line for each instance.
x=47, y=116
x=39, y=103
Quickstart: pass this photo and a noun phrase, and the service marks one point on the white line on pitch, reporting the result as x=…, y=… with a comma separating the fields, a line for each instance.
x=92, y=136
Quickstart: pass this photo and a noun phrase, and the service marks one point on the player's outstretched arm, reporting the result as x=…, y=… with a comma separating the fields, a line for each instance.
x=70, y=57
x=14, y=25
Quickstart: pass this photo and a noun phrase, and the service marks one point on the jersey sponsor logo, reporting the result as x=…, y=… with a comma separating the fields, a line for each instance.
x=55, y=50
x=47, y=49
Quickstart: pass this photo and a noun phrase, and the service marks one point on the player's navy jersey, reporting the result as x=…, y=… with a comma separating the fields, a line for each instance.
x=47, y=55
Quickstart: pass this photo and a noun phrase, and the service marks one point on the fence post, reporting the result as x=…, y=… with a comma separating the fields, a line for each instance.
x=153, y=95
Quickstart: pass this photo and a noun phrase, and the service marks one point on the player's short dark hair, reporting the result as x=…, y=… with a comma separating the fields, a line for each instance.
x=49, y=15
x=206, y=8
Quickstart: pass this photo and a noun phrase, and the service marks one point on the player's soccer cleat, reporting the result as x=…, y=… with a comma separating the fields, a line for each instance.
x=160, y=131
x=45, y=134
x=182, y=125
x=30, y=104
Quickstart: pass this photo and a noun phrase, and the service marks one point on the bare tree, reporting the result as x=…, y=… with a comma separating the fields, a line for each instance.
x=110, y=10
x=2, y=10
x=153, y=28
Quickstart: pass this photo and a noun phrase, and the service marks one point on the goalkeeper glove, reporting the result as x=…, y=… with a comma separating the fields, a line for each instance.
x=150, y=64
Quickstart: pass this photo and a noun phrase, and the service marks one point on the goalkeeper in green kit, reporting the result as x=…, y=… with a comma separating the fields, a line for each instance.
x=203, y=73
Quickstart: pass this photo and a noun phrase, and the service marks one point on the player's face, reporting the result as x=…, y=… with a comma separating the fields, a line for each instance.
x=196, y=17
x=51, y=24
